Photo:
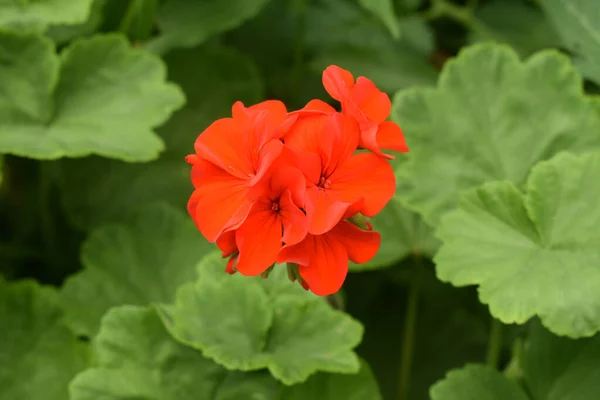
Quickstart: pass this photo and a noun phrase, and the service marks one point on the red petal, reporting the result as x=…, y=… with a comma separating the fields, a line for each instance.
x=223, y=144
x=241, y=112
x=306, y=135
x=220, y=201
x=390, y=137
x=323, y=209
x=345, y=133
x=226, y=243
x=287, y=178
x=364, y=175
x=295, y=223
x=337, y=82
x=259, y=240
x=316, y=105
x=328, y=267
x=266, y=157
x=360, y=245
x=374, y=103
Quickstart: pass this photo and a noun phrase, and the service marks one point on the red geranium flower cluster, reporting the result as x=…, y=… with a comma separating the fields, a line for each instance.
x=273, y=186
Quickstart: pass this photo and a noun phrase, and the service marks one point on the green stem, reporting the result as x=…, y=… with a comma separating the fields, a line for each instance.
x=132, y=10
x=410, y=324
x=45, y=214
x=495, y=343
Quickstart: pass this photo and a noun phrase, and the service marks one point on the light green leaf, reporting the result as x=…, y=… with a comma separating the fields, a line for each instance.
x=476, y=382
x=324, y=386
x=100, y=97
x=139, y=263
x=62, y=33
x=38, y=14
x=213, y=79
x=384, y=10
x=188, y=23
x=577, y=22
x=38, y=353
x=492, y=117
x=278, y=284
x=137, y=359
x=341, y=34
x=403, y=233
x=517, y=23
x=558, y=368
x=236, y=323
x=532, y=254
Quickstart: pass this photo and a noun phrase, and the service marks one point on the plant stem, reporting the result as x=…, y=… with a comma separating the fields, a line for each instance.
x=495, y=343
x=410, y=324
x=132, y=10
x=46, y=223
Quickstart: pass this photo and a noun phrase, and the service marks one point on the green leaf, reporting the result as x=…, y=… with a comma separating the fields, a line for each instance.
x=324, y=386
x=577, y=22
x=137, y=359
x=384, y=10
x=139, y=263
x=492, y=117
x=403, y=233
x=517, y=23
x=531, y=254
x=476, y=382
x=100, y=97
x=555, y=368
x=39, y=354
x=188, y=23
x=38, y=14
x=235, y=322
x=340, y=33
x=558, y=368
x=214, y=78
x=62, y=33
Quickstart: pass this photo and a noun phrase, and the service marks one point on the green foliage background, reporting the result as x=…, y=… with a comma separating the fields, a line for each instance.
x=487, y=284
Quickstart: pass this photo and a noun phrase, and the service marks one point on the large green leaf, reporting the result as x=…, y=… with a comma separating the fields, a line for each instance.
x=340, y=33
x=137, y=359
x=384, y=10
x=517, y=23
x=38, y=354
x=577, y=22
x=100, y=97
x=532, y=254
x=558, y=368
x=492, y=117
x=325, y=386
x=62, y=33
x=476, y=382
x=188, y=23
x=40, y=13
x=139, y=263
x=213, y=80
x=244, y=325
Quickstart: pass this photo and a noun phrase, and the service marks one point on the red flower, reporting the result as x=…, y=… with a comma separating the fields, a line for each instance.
x=323, y=259
x=336, y=177
x=276, y=217
x=368, y=105
x=278, y=187
x=232, y=155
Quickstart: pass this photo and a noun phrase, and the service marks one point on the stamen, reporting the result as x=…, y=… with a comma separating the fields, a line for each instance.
x=324, y=183
x=275, y=206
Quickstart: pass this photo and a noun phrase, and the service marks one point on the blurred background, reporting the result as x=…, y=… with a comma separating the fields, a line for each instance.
x=252, y=50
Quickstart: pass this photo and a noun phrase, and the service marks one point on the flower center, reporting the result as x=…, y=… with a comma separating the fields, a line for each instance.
x=324, y=183
x=275, y=206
